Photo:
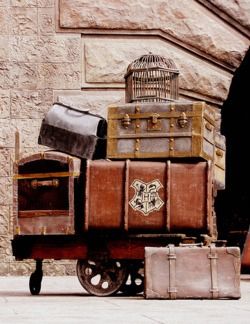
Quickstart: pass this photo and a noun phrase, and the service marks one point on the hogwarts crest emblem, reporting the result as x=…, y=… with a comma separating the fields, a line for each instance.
x=146, y=198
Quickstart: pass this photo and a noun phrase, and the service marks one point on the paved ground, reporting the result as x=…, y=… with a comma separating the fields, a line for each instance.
x=62, y=300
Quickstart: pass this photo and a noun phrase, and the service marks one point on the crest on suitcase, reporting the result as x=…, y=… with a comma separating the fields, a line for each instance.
x=146, y=198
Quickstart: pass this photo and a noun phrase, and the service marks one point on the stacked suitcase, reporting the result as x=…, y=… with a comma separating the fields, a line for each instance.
x=181, y=134
x=165, y=162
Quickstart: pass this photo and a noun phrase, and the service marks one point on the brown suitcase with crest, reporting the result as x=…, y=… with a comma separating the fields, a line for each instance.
x=161, y=130
x=149, y=196
x=44, y=193
x=192, y=272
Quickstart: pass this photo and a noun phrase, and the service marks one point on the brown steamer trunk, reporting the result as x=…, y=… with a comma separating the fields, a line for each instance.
x=192, y=272
x=154, y=130
x=44, y=193
x=149, y=196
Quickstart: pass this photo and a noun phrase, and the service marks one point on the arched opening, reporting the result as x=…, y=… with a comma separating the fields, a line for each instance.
x=233, y=204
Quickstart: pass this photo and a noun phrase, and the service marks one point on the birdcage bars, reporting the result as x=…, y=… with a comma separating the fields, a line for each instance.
x=151, y=78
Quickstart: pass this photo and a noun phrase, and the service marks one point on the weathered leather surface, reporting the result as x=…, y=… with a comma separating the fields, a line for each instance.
x=48, y=206
x=149, y=196
x=192, y=272
x=75, y=132
x=181, y=129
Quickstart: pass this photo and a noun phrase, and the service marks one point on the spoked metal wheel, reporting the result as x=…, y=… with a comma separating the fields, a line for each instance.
x=101, y=277
x=135, y=280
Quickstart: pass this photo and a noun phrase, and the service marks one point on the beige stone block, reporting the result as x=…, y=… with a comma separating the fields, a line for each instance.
x=45, y=3
x=56, y=49
x=238, y=10
x=25, y=49
x=28, y=131
x=30, y=103
x=6, y=133
x=106, y=63
x=4, y=266
x=186, y=21
x=4, y=21
x=4, y=104
x=23, y=21
x=46, y=21
x=5, y=191
x=21, y=268
x=95, y=101
x=4, y=48
x=24, y=75
x=4, y=220
x=4, y=75
x=23, y=3
x=4, y=3
x=5, y=162
x=59, y=76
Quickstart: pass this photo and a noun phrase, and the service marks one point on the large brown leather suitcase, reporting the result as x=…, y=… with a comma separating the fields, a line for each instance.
x=245, y=259
x=192, y=272
x=149, y=196
x=74, y=131
x=43, y=193
x=154, y=130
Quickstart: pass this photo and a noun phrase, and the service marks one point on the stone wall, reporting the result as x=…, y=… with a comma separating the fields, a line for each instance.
x=78, y=51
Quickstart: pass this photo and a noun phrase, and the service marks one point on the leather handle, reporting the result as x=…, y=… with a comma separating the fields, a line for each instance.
x=44, y=183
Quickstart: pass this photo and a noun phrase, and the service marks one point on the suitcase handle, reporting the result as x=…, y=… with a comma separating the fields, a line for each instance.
x=44, y=183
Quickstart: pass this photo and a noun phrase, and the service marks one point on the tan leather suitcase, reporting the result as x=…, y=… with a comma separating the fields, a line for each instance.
x=192, y=272
x=156, y=130
x=149, y=196
x=44, y=193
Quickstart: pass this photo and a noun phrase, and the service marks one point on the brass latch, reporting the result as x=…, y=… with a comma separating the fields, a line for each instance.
x=126, y=121
x=182, y=120
x=219, y=153
x=154, y=123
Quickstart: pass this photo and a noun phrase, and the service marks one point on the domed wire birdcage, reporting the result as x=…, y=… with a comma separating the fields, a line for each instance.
x=151, y=78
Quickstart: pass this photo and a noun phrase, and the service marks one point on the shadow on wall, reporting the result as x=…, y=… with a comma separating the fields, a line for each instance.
x=233, y=204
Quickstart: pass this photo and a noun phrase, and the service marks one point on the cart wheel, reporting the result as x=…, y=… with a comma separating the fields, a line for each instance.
x=35, y=283
x=101, y=277
x=134, y=284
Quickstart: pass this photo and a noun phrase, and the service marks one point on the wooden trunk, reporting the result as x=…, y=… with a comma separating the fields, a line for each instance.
x=156, y=130
x=192, y=272
x=44, y=193
x=149, y=196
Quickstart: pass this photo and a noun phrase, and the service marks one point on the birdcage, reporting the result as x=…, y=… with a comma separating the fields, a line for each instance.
x=151, y=78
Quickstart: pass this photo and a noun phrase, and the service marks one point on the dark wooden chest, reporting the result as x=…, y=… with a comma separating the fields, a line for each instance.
x=44, y=193
x=149, y=196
